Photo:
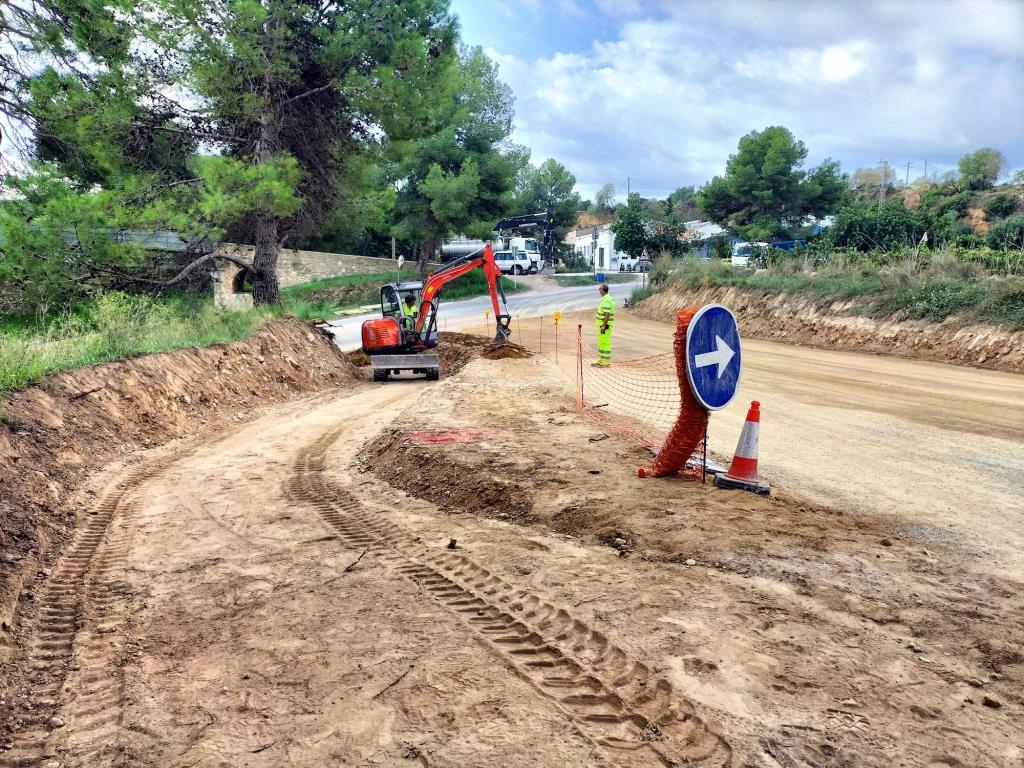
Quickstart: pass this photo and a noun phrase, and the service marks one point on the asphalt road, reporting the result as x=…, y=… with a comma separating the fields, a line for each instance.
x=543, y=298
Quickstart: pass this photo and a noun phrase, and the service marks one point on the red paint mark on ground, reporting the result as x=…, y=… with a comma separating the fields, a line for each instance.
x=462, y=435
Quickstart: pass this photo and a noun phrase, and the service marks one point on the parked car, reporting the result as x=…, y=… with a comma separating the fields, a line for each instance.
x=514, y=263
x=627, y=263
x=642, y=265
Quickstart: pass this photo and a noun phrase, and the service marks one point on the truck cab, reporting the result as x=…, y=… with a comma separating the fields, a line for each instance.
x=743, y=252
x=531, y=247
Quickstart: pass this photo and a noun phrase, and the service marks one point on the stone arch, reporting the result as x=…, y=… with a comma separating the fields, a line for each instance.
x=229, y=285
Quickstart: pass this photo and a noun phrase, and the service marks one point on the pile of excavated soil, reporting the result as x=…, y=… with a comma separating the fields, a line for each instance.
x=409, y=462
x=507, y=352
x=52, y=435
x=455, y=350
x=815, y=322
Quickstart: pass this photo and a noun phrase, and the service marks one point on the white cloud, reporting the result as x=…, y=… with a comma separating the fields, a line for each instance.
x=664, y=99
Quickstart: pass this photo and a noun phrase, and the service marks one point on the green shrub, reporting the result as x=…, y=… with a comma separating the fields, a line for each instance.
x=639, y=294
x=575, y=262
x=1001, y=205
x=1007, y=234
x=936, y=301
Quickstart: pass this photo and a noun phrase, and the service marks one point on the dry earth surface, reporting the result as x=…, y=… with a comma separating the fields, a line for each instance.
x=471, y=574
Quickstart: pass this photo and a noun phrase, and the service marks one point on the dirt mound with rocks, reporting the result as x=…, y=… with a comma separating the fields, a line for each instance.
x=456, y=350
x=844, y=324
x=52, y=436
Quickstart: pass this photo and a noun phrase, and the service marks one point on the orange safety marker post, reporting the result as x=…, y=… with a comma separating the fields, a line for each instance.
x=540, y=337
x=742, y=472
x=557, y=316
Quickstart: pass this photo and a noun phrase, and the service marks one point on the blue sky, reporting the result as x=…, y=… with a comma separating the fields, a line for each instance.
x=661, y=90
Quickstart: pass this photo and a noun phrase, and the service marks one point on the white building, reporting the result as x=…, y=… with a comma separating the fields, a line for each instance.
x=597, y=246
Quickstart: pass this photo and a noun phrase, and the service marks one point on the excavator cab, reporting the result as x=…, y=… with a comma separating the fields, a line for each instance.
x=394, y=303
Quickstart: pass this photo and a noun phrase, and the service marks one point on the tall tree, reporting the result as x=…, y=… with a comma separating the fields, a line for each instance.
x=604, y=199
x=765, y=191
x=631, y=227
x=287, y=98
x=308, y=82
x=981, y=169
x=460, y=179
x=549, y=188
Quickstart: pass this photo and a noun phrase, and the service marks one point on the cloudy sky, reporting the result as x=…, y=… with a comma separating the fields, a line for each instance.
x=661, y=90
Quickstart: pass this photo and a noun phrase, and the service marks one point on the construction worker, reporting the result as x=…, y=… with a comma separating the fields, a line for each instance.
x=409, y=311
x=605, y=321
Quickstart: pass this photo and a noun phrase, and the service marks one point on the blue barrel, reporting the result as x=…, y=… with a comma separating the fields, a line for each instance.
x=599, y=277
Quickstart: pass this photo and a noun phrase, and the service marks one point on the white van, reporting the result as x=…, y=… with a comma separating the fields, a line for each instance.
x=514, y=262
x=530, y=246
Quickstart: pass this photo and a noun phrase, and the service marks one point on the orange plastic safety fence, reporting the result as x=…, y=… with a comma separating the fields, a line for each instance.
x=688, y=431
x=638, y=400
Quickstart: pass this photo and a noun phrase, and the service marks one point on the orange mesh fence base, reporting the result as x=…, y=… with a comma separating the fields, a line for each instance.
x=644, y=401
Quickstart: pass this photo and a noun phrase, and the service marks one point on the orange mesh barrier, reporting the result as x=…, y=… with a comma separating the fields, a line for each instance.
x=641, y=400
x=688, y=431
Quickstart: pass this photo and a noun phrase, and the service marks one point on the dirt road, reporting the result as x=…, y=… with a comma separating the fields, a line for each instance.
x=470, y=574
x=936, y=448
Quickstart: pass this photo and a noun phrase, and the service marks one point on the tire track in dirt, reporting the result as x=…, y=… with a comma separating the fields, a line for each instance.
x=616, y=702
x=79, y=628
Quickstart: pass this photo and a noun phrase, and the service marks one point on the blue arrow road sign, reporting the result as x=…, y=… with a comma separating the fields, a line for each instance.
x=713, y=356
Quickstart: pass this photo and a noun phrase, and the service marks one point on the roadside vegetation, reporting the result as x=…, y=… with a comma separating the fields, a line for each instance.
x=327, y=298
x=912, y=285
x=114, y=326
x=118, y=325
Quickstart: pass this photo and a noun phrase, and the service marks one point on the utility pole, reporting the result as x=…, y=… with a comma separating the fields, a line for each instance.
x=881, y=189
x=906, y=181
x=926, y=169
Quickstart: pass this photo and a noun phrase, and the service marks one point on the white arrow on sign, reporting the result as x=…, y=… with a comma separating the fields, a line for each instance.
x=720, y=357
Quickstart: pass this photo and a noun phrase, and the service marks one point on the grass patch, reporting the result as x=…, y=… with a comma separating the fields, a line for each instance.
x=639, y=294
x=475, y=284
x=326, y=298
x=113, y=327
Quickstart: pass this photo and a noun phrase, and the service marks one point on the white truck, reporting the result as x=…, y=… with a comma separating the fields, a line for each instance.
x=530, y=246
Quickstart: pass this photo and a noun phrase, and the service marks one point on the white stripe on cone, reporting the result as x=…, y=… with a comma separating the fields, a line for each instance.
x=747, y=447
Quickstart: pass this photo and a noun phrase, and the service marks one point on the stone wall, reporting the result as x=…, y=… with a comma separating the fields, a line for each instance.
x=296, y=267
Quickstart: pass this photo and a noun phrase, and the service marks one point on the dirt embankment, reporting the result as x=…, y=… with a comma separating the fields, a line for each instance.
x=844, y=325
x=53, y=435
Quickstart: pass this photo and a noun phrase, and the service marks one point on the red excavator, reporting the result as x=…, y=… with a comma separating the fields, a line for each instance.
x=400, y=340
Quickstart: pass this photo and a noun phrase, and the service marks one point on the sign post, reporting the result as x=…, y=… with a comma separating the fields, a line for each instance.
x=713, y=356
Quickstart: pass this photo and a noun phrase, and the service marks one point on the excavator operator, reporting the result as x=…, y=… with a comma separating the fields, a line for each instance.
x=409, y=311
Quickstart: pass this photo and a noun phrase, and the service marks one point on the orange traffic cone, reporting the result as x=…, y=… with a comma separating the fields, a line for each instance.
x=743, y=471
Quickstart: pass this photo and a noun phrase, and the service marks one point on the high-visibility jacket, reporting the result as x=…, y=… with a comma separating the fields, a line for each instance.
x=606, y=307
x=409, y=310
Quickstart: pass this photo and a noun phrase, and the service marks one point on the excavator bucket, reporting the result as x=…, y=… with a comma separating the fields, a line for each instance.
x=504, y=330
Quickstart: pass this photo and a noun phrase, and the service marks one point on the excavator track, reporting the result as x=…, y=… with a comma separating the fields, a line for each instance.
x=616, y=702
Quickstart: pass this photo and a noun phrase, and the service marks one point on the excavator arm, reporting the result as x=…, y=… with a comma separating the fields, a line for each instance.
x=426, y=318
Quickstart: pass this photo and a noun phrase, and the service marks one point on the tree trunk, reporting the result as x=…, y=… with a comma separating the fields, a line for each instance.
x=265, y=287
x=429, y=243
x=426, y=252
